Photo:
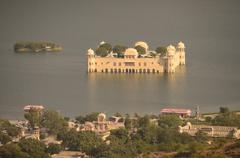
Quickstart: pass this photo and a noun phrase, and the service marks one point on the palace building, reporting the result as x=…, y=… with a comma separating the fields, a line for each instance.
x=133, y=62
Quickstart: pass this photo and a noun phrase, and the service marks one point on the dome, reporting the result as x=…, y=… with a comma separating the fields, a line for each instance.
x=181, y=45
x=170, y=50
x=101, y=43
x=131, y=51
x=142, y=44
x=90, y=52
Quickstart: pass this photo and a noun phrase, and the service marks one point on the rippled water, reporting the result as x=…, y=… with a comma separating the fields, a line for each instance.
x=210, y=30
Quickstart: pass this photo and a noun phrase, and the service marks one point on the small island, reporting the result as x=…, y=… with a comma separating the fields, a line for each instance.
x=37, y=46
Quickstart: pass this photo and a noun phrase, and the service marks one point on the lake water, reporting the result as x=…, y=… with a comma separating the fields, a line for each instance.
x=210, y=30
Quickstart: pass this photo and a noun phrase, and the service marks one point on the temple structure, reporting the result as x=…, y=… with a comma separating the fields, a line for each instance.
x=133, y=62
x=103, y=126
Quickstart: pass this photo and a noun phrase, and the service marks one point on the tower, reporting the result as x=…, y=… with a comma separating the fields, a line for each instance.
x=181, y=51
x=197, y=113
x=91, y=60
x=169, y=61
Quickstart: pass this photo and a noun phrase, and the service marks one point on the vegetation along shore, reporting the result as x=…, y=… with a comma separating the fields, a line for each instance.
x=46, y=133
x=37, y=46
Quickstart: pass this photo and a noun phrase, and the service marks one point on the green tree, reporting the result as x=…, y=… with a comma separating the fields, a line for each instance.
x=11, y=130
x=88, y=141
x=144, y=121
x=12, y=151
x=169, y=121
x=141, y=50
x=33, y=116
x=33, y=147
x=54, y=148
x=70, y=139
x=224, y=110
x=92, y=116
x=80, y=119
x=195, y=149
x=227, y=119
x=161, y=50
x=201, y=136
x=4, y=138
x=117, y=114
x=120, y=133
x=102, y=151
x=128, y=122
x=85, y=141
x=101, y=51
x=119, y=49
x=53, y=121
x=89, y=117
x=148, y=134
x=107, y=46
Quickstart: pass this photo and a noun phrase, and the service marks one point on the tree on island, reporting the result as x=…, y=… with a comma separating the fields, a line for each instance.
x=161, y=50
x=101, y=51
x=119, y=49
x=141, y=50
x=107, y=46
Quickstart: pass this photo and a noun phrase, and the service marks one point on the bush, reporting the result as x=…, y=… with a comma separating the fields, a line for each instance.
x=54, y=148
x=101, y=51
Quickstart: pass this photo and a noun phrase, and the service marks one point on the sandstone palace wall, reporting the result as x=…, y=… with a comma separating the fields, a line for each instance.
x=132, y=62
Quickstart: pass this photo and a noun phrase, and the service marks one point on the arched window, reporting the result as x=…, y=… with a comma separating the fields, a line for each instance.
x=153, y=70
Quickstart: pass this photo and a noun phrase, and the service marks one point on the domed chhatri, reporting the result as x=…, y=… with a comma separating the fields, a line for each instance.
x=130, y=60
x=90, y=51
x=142, y=44
x=171, y=50
x=181, y=45
x=131, y=52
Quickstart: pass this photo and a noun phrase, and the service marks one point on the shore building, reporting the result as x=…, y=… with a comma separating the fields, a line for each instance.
x=179, y=112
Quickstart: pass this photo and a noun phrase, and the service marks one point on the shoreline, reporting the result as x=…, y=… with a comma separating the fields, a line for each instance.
x=204, y=115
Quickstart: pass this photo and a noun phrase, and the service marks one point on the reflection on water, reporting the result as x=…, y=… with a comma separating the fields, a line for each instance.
x=132, y=92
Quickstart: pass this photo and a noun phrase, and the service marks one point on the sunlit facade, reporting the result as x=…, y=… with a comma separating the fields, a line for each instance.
x=132, y=62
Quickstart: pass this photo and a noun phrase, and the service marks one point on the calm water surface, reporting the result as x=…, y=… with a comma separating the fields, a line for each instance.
x=210, y=30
